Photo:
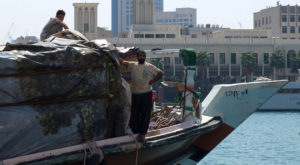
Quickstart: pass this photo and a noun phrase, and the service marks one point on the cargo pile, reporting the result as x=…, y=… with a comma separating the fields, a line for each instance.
x=59, y=93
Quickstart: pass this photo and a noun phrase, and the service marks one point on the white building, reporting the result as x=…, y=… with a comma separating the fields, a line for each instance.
x=284, y=21
x=26, y=40
x=85, y=20
x=225, y=54
x=186, y=17
x=143, y=12
x=224, y=46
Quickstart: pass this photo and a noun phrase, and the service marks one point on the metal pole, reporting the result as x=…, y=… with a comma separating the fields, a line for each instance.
x=184, y=92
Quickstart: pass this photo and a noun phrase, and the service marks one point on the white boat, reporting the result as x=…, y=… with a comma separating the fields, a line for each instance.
x=286, y=99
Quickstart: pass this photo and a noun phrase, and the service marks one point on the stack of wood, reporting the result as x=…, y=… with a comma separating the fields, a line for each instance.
x=164, y=118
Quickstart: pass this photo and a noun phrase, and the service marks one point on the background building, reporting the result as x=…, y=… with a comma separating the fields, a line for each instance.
x=143, y=12
x=159, y=5
x=284, y=21
x=225, y=46
x=225, y=54
x=122, y=15
x=85, y=19
x=182, y=16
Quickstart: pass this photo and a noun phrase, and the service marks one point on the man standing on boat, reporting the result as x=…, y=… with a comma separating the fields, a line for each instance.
x=54, y=25
x=143, y=75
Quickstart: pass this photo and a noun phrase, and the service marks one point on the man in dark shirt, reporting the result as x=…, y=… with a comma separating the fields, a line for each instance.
x=54, y=25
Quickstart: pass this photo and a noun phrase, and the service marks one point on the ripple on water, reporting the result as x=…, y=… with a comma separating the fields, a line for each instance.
x=264, y=138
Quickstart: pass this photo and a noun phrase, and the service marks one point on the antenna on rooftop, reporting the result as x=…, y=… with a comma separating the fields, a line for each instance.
x=241, y=27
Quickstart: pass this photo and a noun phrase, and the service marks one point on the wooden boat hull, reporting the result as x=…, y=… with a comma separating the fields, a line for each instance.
x=158, y=149
x=224, y=109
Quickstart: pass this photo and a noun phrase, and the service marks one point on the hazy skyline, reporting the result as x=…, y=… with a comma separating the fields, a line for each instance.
x=30, y=17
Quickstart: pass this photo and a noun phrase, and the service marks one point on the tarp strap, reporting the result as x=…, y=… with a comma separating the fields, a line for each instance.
x=105, y=96
x=93, y=149
x=22, y=74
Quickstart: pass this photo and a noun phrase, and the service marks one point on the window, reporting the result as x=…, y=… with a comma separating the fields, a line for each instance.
x=298, y=9
x=299, y=29
x=283, y=9
x=211, y=58
x=266, y=58
x=256, y=57
x=177, y=60
x=283, y=18
x=292, y=29
x=233, y=58
x=284, y=29
x=270, y=19
x=292, y=9
x=267, y=20
x=149, y=35
x=194, y=35
x=255, y=23
x=237, y=37
x=222, y=58
x=160, y=36
x=166, y=62
x=170, y=35
x=299, y=18
x=258, y=23
x=138, y=35
x=292, y=18
x=262, y=21
x=86, y=27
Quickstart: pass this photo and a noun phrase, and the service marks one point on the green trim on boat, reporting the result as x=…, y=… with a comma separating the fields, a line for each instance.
x=189, y=108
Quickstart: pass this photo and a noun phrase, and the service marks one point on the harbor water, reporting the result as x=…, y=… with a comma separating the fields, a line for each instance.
x=264, y=138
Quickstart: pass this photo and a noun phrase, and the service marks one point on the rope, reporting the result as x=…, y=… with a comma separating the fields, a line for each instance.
x=137, y=149
x=50, y=72
x=93, y=149
x=84, y=155
x=92, y=145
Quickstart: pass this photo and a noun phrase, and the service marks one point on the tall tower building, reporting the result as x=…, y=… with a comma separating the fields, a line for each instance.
x=159, y=5
x=143, y=12
x=122, y=15
x=85, y=20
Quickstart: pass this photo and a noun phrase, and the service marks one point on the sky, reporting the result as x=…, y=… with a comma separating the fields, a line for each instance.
x=28, y=17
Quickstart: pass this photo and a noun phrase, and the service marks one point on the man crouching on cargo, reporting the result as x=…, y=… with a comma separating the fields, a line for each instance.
x=54, y=25
x=143, y=75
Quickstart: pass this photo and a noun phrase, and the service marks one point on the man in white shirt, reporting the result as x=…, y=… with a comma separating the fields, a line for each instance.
x=54, y=25
x=143, y=76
